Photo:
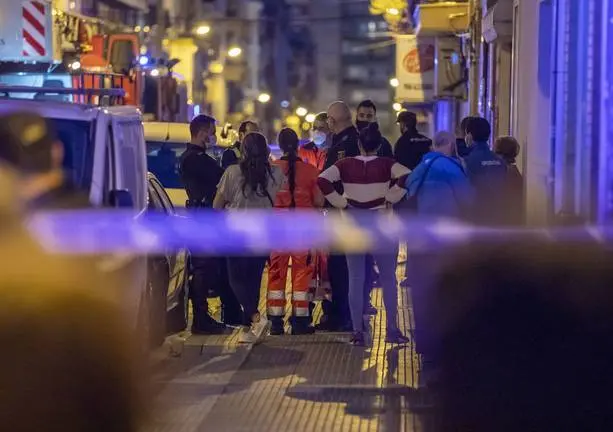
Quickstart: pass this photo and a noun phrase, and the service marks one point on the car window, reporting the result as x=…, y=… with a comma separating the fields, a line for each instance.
x=163, y=195
x=163, y=162
x=133, y=171
x=78, y=150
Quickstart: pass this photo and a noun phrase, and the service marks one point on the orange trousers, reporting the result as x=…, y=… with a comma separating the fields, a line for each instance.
x=302, y=273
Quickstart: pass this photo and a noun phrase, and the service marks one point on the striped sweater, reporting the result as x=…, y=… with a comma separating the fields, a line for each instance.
x=368, y=182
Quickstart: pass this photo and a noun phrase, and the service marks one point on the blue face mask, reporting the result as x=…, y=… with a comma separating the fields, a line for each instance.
x=319, y=138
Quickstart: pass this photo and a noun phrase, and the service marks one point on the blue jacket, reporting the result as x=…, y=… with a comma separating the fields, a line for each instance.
x=488, y=175
x=445, y=191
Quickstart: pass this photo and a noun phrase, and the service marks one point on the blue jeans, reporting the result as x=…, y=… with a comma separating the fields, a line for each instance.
x=356, y=264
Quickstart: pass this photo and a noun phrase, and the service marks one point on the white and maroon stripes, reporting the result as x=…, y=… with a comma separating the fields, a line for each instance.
x=369, y=182
x=34, y=29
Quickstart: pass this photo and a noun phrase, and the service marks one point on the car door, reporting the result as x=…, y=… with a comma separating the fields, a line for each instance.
x=178, y=260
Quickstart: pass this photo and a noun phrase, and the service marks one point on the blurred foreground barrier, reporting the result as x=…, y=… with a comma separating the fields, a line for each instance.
x=209, y=232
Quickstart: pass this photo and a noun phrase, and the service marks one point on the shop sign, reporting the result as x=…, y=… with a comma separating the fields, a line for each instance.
x=415, y=69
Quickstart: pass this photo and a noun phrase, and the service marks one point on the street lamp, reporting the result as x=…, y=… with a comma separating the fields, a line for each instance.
x=264, y=98
x=301, y=111
x=235, y=51
x=310, y=117
x=394, y=82
x=203, y=30
x=397, y=106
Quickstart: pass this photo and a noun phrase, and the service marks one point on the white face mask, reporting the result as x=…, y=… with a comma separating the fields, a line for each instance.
x=319, y=138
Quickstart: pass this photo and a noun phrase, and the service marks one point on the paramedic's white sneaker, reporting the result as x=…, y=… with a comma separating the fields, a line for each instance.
x=261, y=328
x=247, y=336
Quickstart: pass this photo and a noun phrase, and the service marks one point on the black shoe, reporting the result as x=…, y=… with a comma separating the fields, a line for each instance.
x=276, y=328
x=370, y=310
x=208, y=326
x=357, y=339
x=396, y=337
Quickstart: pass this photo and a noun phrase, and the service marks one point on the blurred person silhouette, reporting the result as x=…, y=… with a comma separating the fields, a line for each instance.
x=373, y=183
x=200, y=174
x=252, y=184
x=38, y=156
x=508, y=148
x=487, y=173
x=366, y=113
x=411, y=146
x=232, y=155
x=314, y=151
x=68, y=362
x=522, y=335
x=300, y=190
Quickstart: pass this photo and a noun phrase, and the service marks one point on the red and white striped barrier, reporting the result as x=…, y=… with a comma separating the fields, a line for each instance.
x=34, y=21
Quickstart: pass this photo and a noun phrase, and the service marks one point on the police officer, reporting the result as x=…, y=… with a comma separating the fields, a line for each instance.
x=487, y=173
x=232, y=155
x=200, y=174
x=412, y=145
x=30, y=145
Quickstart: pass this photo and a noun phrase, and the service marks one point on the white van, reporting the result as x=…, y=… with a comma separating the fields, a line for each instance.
x=165, y=144
x=105, y=156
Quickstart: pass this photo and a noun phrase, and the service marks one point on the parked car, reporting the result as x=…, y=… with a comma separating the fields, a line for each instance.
x=168, y=275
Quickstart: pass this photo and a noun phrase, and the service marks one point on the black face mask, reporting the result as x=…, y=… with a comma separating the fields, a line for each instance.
x=361, y=124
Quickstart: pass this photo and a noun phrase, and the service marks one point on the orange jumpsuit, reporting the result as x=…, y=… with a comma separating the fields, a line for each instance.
x=320, y=283
x=305, y=195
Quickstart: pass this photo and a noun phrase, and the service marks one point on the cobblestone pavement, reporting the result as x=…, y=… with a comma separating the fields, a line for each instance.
x=290, y=383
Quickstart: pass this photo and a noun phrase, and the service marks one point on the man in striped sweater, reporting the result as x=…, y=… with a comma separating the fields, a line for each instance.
x=368, y=182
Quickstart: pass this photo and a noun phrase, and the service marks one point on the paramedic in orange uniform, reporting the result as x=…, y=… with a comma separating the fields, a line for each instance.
x=299, y=190
x=314, y=152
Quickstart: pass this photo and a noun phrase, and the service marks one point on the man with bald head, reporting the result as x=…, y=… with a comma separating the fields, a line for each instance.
x=345, y=139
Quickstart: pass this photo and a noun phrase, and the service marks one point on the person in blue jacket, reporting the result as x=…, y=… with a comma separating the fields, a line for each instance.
x=487, y=173
x=439, y=182
x=440, y=188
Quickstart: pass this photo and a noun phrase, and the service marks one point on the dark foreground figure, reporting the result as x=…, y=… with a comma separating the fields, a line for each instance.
x=523, y=339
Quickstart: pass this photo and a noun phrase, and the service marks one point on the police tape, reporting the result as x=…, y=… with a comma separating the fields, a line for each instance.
x=259, y=232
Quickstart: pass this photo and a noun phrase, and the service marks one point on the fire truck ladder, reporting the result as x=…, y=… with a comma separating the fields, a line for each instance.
x=105, y=96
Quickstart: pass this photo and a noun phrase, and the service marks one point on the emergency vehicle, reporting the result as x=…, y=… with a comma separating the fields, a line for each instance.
x=31, y=55
x=104, y=155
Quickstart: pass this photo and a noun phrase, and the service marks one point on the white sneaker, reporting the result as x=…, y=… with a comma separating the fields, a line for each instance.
x=247, y=336
x=262, y=328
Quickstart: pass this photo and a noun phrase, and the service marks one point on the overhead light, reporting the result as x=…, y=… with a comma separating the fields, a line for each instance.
x=146, y=29
x=393, y=11
x=310, y=117
x=264, y=98
x=203, y=30
x=235, y=51
x=397, y=106
x=72, y=5
x=76, y=65
x=284, y=104
x=137, y=29
x=143, y=60
x=155, y=73
x=301, y=111
x=394, y=82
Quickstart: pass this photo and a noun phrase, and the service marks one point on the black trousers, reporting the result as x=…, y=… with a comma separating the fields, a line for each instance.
x=245, y=275
x=338, y=309
x=210, y=273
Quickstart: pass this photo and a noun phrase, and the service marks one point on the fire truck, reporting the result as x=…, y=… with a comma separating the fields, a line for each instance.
x=31, y=55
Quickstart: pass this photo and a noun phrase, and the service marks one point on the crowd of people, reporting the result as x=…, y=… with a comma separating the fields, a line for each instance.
x=348, y=165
